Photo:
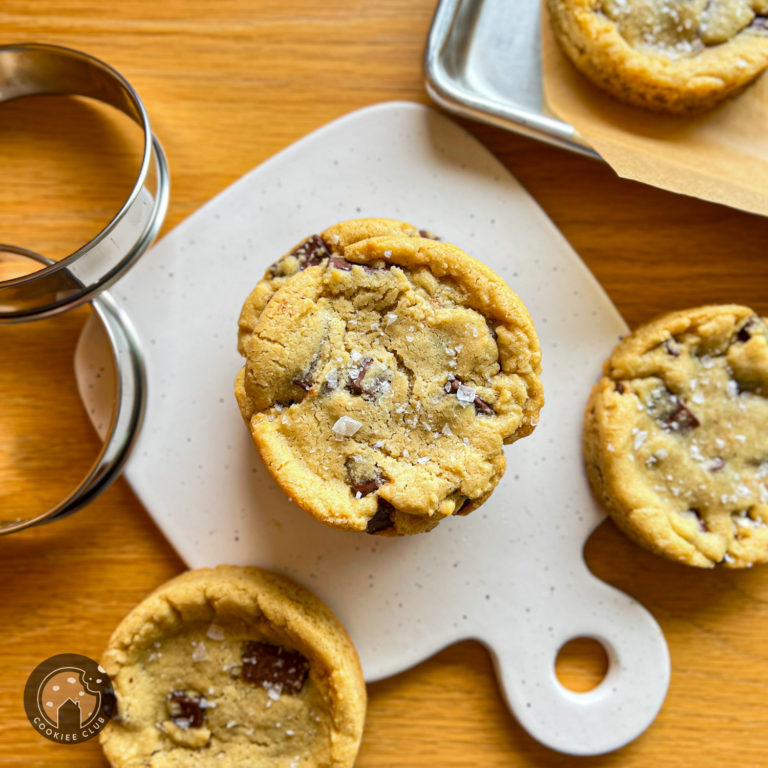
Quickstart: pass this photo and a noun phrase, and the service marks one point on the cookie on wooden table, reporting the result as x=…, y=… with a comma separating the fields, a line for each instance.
x=676, y=436
x=233, y=667
x=381, y=384
x=666, y=55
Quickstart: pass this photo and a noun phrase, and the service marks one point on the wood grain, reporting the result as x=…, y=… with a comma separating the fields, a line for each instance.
x=228, y=84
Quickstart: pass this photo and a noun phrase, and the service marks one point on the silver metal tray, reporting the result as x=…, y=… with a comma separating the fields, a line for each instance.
x=483, y=61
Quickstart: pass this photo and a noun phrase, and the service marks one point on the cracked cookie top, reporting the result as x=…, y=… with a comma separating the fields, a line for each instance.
x=676, y=436
x=381, y=384
x=233, y=667
x=668, y=55
x=313, y=251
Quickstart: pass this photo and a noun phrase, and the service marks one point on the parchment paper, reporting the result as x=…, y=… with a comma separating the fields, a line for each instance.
x=721, y=156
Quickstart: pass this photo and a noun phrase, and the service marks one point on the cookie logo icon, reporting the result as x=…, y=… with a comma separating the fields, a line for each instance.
x=69, y=698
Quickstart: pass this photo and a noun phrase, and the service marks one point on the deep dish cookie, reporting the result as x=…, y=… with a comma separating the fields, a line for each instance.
x=233, y=667
x=313, y=251
x=676, y=436
x=381, y=384
x=666, y=55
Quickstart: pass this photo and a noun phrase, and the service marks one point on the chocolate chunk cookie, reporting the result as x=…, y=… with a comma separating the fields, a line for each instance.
x=233, y=667
x=313, y=251
x=666, y=55
x=381, y=384
x=676, y=436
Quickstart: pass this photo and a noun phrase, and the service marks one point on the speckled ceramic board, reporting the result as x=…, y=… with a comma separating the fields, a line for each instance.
x=512, y=573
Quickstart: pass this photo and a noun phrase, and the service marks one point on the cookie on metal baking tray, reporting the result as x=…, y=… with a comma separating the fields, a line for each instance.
x=665, y=55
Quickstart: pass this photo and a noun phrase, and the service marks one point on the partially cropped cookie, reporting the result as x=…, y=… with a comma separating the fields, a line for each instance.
x=381, y=384
x=233, y=667
x=676, y=436
x=666, y=55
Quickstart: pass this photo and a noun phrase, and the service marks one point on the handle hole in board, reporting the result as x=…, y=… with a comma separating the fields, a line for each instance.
x=581, y=664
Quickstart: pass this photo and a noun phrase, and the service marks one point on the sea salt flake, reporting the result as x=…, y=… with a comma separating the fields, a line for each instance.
x=422, y=460
x=215, y=632
x=387, y=254
x=732, y=388
x=346, y=426
x=274, y=691
x=446, y=430
x=200, y=653
x=390, y=317
x=465, y=395
x=640, y=438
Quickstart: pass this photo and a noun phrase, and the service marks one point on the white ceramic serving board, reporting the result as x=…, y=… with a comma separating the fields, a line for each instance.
x=511, y=574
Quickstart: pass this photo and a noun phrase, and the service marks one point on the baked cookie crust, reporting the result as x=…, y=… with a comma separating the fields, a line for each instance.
x=381, y=384
x=677, y=56
x=233, y=667
x=676, y=436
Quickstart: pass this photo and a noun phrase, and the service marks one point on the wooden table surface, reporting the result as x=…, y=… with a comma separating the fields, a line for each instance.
x=227, y=84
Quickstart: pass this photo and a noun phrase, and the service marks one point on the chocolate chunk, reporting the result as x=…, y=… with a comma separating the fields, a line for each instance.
x=700, y=519
x=382, y=518
x=680, y=419
x=305, y=380
x=482, y=407
x=425, y=233
x=744, y=334
x=362, y=482
x=619, y=387
x=672, y=347
x=368, y=486
x=492, y=331
x=355, y=385
x=312, y=251
x=339, y=263
x=309, y=254
x=186, y=710
x=274, y=666
x=760, y=23
x=716, y=464
x=452, y=387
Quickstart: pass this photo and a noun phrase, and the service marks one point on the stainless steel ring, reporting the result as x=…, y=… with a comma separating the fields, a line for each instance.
x=127, y=415
x=34, y=69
